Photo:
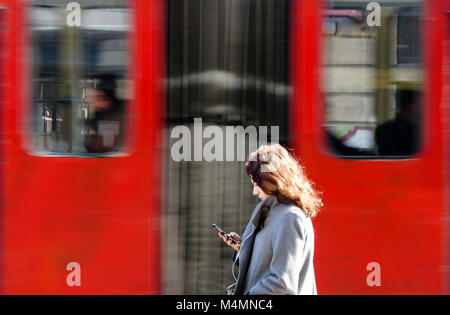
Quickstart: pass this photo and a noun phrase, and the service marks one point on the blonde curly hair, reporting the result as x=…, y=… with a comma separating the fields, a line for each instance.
x=279, y=173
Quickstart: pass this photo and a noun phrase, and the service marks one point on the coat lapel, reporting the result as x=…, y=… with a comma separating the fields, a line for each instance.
x=260, y=213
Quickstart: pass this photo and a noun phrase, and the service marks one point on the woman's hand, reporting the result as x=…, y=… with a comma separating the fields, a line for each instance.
x=227, y=238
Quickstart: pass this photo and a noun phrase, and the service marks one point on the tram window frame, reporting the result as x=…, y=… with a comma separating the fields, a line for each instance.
x=395, y=88
x=120, y=87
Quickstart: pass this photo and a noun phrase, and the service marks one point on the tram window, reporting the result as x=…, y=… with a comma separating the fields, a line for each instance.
x=79, y=76
x=372, y=79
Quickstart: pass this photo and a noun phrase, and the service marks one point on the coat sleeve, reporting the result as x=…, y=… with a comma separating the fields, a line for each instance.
x=287, y=244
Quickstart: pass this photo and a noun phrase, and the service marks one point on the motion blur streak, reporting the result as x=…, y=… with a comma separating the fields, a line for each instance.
x=86, y=174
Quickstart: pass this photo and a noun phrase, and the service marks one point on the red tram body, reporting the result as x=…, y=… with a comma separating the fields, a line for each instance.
x=391, y=212
x=90, y=221
x=104, y=212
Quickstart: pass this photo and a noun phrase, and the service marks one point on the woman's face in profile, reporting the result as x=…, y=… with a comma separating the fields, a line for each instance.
x=257, y=191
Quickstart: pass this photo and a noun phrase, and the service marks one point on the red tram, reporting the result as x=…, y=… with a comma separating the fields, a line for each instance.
x=65, y=201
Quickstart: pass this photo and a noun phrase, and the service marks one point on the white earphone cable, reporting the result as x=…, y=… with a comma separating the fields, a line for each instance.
x=230, y=289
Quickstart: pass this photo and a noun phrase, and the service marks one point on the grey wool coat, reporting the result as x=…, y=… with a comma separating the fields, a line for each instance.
x=281, y=259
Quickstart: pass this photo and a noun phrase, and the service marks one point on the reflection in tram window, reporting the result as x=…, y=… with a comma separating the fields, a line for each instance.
x=107, y=118
x=372, y=79
x=400, y=136
x=79, y=80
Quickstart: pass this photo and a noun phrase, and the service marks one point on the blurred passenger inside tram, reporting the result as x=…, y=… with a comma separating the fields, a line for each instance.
x=400, y=136
x=106, y=125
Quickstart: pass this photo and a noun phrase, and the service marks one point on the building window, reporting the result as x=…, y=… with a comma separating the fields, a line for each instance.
x=408, y=36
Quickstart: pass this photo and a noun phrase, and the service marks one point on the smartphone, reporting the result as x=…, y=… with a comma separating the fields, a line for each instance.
x=224, y=233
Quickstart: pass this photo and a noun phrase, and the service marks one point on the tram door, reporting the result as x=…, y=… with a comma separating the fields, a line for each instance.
x=378, y=152
x=80, y=206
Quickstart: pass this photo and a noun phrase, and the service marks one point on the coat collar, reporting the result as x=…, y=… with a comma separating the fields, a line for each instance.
x=263, y=208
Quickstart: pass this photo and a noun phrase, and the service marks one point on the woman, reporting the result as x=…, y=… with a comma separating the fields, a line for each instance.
x=277, y=248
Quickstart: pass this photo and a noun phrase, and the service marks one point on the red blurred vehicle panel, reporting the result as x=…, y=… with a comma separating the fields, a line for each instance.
x=391, y=212
x=102, y=213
